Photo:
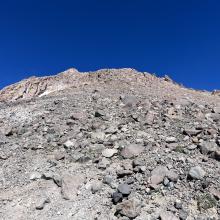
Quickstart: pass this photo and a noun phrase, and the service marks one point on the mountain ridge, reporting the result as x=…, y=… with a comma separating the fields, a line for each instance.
x=40, y=86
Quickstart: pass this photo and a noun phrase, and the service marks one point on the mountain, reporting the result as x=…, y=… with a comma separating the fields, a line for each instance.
x=107, y=145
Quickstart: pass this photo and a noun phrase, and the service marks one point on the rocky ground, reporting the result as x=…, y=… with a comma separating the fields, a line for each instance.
x=108, y=145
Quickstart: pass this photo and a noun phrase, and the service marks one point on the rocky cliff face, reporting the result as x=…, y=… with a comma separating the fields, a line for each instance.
x=38, y=86
x=107, y=145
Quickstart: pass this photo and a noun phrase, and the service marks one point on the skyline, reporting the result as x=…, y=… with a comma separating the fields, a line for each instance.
x=178, y=39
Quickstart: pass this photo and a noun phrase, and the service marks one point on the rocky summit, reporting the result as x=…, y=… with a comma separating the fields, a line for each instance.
x=115, y=144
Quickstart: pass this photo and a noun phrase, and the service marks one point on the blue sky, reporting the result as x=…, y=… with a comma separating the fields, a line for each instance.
x=179, y=38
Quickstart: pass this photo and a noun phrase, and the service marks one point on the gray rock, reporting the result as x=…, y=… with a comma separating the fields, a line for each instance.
x=129, y=101
x=170, y=185
x=130, y=208
x=99, y=113
x=41, y=203
x=183, y=214
x=166, y=181
x=70, y=185
x=96, y=186
x=172, y=175
x=215, y=117
x=178, y=204
x=196, y=173
x=215, y=193
x=137, y=162
x=98, y=136
x=117, y=197
x=171, y=140
x=192, y=147
x=217, y=155
x=122, y=173
x=111, y=130
x=109, y=152
x=158, y=174
x=59, y=155
x=150, y=118
x=77, y=116
x=57, y=179
x=35, y=176
x=216, y=110
x=165, y=215
x=107, y=179
x=207, y=147
x=192, y=132
x=103, y=163
x=125, y=189
x=69, y=144
x=206, y=201
x=48, y=175
x=7, y=131
x=132, y=150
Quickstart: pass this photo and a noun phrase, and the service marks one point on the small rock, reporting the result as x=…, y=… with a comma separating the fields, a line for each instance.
x=77, y=116
x=3, y=156
x=122, y=173
x=158, y=174
x=208, y=147
x=216, y=110
x=192, y=147
x=170, y=139
x=213, y=117
x=69, y=144
x=125, y=189
x=165, y=215
x=166, y=181
x=196, y=173
x=57, y=179
x=109, y=152
x=217, y=155
x=59, y=155
x=7, y=131
x=131, y=151
x=35, y=176
x=130, y=208
x=178, y=204
x=103, y=163
x=98, y=136
x=215, y=193
x=96, y=186
x=143, y=168
x=41, y=203
x=129, y=101
x=99, y=114
x=171, y=185
x=172, y=176
x=183, y=215
x=70, y=185
x=137, y=162
x=150, y=118
x=206, y=201
x=111, y=130
x=192, y=132
x=47, y=176
x=107, y=179
x=117, y=197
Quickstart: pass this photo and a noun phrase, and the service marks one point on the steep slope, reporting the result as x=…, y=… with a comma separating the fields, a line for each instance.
x=111, y=144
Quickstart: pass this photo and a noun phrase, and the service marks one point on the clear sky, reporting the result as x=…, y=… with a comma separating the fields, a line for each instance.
x=180, y=38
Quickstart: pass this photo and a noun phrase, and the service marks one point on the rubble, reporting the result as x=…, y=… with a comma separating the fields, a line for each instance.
x=112, y=144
